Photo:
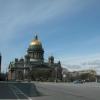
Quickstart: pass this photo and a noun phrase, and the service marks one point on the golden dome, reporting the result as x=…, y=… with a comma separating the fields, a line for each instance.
x=35, y=41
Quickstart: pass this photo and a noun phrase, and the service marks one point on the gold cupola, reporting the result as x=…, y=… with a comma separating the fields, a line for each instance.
x=35, y=42
x=35, y=50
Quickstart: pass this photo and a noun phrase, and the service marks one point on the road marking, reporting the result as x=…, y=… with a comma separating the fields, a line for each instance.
x=17, y=91
x=14, y=93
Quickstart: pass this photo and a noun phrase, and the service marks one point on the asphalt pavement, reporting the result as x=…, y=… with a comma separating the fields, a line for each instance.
x=11, y=91
x=18, y=90
x=6, y=92
x=49, y=91
x=69, y=91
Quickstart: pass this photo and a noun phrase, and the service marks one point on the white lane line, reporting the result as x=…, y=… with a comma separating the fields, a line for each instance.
x=17, y=91
x=20, y=92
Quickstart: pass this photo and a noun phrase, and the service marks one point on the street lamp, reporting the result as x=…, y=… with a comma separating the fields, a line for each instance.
x=64, y=77
x=56, y=74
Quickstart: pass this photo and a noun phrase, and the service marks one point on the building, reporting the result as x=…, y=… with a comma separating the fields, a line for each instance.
x=0, y=62
x=33, y=66
x=88, y=75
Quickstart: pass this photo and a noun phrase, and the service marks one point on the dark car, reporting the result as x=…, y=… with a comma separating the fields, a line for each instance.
x=78, y=81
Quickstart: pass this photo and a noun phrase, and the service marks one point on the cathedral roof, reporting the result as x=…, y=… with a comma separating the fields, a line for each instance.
x=35, y=43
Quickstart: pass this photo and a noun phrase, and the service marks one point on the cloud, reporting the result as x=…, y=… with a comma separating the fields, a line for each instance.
x=82, y=63
x=15, y=15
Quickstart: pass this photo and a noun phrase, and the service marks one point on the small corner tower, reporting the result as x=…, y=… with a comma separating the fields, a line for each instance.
x=51, y=60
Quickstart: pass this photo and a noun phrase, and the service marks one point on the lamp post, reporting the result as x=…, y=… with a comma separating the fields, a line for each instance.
x=56, y=74
x=29, y=74
x=64, y=77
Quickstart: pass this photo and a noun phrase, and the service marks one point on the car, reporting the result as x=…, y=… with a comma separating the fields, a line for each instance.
x=98, y=81
x=78, y=81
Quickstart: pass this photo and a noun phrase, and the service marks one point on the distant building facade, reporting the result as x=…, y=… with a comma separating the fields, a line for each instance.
x=33, y=66
x=88, y=75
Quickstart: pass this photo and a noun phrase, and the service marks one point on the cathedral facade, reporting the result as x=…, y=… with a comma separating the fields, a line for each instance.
x=33, y=67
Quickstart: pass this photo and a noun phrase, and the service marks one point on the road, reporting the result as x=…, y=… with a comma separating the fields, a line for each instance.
x=5, y=92
x=11, y=91
x=65, y=91
x=49, y=91
x=17, y=90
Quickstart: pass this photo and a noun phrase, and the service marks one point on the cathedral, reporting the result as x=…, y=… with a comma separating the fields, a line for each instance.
x=33, y=67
